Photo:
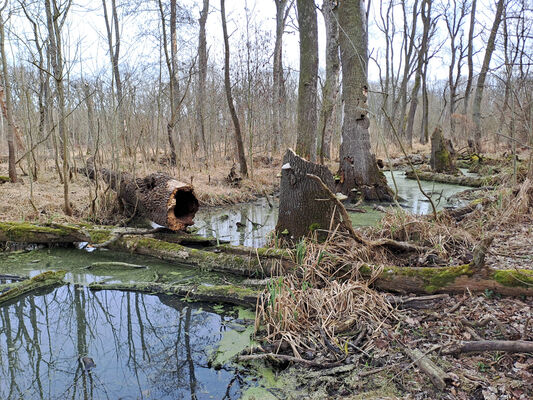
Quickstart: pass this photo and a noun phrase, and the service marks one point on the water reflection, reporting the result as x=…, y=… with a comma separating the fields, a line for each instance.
x=245, y=224
x=144, y=347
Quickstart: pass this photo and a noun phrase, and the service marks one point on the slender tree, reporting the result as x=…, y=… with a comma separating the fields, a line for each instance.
x=307, y=86
x=55, y=19
x=6, y=103
x=278, y=92
x=229, y=97
x=480, y=84
x=202, y=75
x=358, y=168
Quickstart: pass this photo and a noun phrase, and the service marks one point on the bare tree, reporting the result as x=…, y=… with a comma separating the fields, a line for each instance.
x=307, y=86
x=55, y=18
x=421, y=61
x=470, y=57
x=202, y=75
x=358, y=168
x=480, y=84
x=7, y=106
x=330, y=89
x=229, y=97
x=278, y=93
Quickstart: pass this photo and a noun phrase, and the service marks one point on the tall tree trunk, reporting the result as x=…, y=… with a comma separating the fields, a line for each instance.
x=470, y=58
x=55, y=18
x=114, y=55
x=202, y=75
x=358, y=168
x=422, y=53
x=307, y=85
x=480, y=85
x=330, y=90
x=5, y=93
x=229, y=97
x=278, y=92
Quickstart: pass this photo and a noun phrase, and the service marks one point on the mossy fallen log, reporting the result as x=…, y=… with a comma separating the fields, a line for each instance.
x=454, y=279
x=462, y=180
x=224, y=258
x=231, y=294
x=42, y=281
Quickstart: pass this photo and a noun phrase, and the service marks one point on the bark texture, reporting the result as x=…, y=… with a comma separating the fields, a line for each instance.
x=158, y=197
x=442, y=153
x=358, y=168
x=330, y=90
x=303, y=204
x=307, y=85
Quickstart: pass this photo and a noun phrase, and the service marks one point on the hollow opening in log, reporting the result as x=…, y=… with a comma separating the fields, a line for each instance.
x=186, y=205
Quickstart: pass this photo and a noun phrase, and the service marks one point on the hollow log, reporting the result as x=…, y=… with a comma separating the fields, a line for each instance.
x=157, y=196
x=447, y=178
x=303, y=205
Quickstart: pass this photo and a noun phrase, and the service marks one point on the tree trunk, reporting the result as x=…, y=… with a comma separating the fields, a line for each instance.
x=229, y=97
x=7, y=108
x=470, y=58
x=302, y=205
x=358, y=168
x=422, y=54
x=480, y=85
x=330, y=90
x=53, y=17
x=202, y=75
x=442, y=153
x=277, y=74
x=307, y=84
x=159, y=197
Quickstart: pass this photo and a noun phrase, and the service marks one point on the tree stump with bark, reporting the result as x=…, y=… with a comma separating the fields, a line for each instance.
x=442, y=153
x=304, y=206
x=158, y=197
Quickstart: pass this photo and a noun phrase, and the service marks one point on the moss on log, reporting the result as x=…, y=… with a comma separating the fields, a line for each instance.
x=446, y=178
x=231, y=294
x=224, y=258
x=454, y=279
x=42, y=281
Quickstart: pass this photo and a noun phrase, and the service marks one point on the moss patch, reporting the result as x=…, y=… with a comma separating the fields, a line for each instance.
x=514, y=278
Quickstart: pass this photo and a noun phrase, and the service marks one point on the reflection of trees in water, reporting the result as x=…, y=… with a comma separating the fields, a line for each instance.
x=143, y=347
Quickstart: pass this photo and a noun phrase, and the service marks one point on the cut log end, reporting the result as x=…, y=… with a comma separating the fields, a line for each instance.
x=182, y=206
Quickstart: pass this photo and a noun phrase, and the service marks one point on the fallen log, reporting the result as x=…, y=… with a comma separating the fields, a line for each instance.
x=158, y=197
x=262, y=263
x=42, y=281
x=231, y=294
x=447, y=178
x=478, y=346
x=238, y=260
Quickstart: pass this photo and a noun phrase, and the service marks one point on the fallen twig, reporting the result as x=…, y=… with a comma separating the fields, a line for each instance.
x=438, y=377
x=508, y=346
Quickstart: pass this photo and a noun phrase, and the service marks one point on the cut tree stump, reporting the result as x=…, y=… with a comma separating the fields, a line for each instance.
x=304, y=206
x=157, y=196
x=442, y=153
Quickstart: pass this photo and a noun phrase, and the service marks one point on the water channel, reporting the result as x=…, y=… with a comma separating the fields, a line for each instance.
x=143, y=346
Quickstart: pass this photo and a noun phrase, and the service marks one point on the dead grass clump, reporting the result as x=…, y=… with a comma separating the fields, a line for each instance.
x=336, y=319
x=445, y=237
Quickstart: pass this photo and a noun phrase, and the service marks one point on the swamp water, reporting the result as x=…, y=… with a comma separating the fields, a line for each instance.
x=249, y=224
x=144, y=346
